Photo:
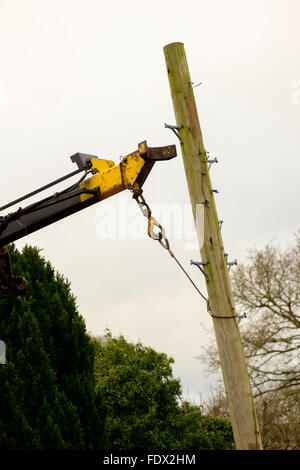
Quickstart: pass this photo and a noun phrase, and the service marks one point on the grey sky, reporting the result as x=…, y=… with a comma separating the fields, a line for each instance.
x=90, y=76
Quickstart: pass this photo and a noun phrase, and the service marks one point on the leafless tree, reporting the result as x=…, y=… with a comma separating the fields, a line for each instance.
x=278, y=415
x=267, y=288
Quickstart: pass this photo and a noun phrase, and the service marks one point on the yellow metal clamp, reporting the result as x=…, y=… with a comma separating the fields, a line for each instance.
x=134, y=168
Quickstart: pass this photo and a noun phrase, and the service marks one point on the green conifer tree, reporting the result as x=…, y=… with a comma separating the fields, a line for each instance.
x=47, y=386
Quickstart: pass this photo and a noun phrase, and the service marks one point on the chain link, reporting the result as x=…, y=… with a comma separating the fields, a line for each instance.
x=161, y=236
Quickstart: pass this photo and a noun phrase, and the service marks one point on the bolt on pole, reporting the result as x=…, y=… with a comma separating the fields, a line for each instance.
x=221, y=303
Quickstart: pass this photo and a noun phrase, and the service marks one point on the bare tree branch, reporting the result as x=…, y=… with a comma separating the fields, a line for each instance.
x=267, y=288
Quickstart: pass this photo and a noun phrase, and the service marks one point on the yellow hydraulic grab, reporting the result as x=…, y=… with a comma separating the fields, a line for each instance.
x=105, y=179
x=133, y=170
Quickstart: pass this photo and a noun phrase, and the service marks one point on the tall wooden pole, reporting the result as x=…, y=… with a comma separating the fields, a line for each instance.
x=221, y=303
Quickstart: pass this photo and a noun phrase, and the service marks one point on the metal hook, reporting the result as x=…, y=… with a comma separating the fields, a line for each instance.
x=229, y=264
x=240, y=317
x=209, y=160
x=175, y=129
x=214, y=160
x=199, y=264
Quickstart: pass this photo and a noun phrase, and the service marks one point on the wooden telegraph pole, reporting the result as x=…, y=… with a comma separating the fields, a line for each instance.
x=220, y=298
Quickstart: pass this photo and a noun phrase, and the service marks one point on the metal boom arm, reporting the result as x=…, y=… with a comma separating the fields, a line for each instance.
x=108, y=179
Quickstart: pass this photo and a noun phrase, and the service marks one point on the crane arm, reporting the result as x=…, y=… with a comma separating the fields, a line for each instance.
x=107, y=179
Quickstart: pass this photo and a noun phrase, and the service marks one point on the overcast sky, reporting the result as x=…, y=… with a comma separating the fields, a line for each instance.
x=89, y=76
